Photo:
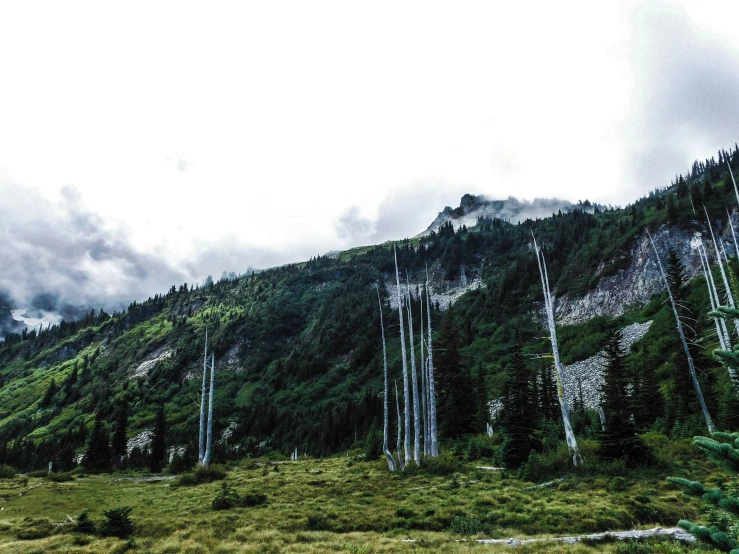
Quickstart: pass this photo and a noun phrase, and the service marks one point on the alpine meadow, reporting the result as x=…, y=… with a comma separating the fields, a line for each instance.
x=560, y=384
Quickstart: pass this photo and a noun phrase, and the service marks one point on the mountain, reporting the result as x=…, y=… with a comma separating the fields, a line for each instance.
x=298, y=348
x=472, y=208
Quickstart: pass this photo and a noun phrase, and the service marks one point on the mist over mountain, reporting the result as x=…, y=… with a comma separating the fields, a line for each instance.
x=472, y=208
x=60, y=259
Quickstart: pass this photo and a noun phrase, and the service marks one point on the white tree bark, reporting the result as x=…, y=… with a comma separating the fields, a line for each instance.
x=201, y=451
x=722, y=321
x=694, y=377
x=736, y=190
x=723, y=333
x=407, y=434
x=602, y=416
x=719, y=330
x=424, y=393
x=209, y=441
x=729, y=296
x=733, y=234
x=564, y=407
x=385, y=449
x=433, y=431
x=401, y=463
x=414, y=383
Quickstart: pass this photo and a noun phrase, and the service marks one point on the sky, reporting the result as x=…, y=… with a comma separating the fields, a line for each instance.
x=144, y=144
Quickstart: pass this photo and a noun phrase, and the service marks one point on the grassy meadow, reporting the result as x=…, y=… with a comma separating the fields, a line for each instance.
x=345, y=504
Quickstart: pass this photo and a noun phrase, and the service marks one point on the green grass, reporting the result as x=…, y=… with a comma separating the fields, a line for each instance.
x=340, y=505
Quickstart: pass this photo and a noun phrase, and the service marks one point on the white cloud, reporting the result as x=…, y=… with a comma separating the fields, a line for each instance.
x=305, y=127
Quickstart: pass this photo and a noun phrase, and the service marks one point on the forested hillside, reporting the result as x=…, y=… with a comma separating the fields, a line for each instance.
x=299, y=356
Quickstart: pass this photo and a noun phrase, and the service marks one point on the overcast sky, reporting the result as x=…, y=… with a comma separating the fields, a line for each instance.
x=168, y=141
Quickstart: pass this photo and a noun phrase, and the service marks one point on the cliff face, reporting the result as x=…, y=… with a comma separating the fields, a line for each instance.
x=632, y=287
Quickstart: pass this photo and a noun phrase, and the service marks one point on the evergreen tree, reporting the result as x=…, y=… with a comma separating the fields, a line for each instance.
x=620, y=439
x=119, y=443
x=647, y=402
x=695, y=192
x=158, y=444
x=722, y=504
x=49, y=396
x=682, y=401
x=548, y=396
x=518, y=415
x=97, y=456
x=457, y=400
x=672, y=211
x=682, y=188
x=483, y=410
x=71, y=380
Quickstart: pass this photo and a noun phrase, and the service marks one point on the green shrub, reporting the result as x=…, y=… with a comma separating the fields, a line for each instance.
x=249, y=500
x=6, y=472
x=373, y=446
x=61, y=477
x=179, y=464
x=201, y=474
x=318, y=522
x=405, y=512
x=85, y=524
x=444, y=464
x=229, y=498
x=465, y=526
x=117, y=523
x=617, y=484
x=38, y=473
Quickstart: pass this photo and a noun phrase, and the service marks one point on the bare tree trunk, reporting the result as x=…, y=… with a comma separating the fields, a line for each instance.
x=209, y=442
x=407, y=440
x=602, y=416
x=385, y=449
x=401, y=463
x=729, y=296
x=733, y=234
x=564, y=407
x=433, y=431
x=424, y=393
x=719, y=330
x=201, y=451
x=736, y=190
x=722, y=321
x=723, y=333
x=694, y=377
x=414, y=384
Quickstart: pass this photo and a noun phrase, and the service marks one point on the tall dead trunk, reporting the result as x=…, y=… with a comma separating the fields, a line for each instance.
x=716, y=320
x=433, y=430
x=407, y=435
x=564, y=407
x=385, y=449
x=424, y=393
x=733, y=234
x=736, y=190
x=724, y=339
x=401, y=463
x=693, y=376
x=201, y=443
x=722, y=321
x=729, y=296
x=209, y=441
x=414, y=378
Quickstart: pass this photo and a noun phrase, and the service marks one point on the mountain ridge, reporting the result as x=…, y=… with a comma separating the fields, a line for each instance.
x=298, y=348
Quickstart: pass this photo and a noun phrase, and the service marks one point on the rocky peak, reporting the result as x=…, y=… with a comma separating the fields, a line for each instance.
x=472, y=207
